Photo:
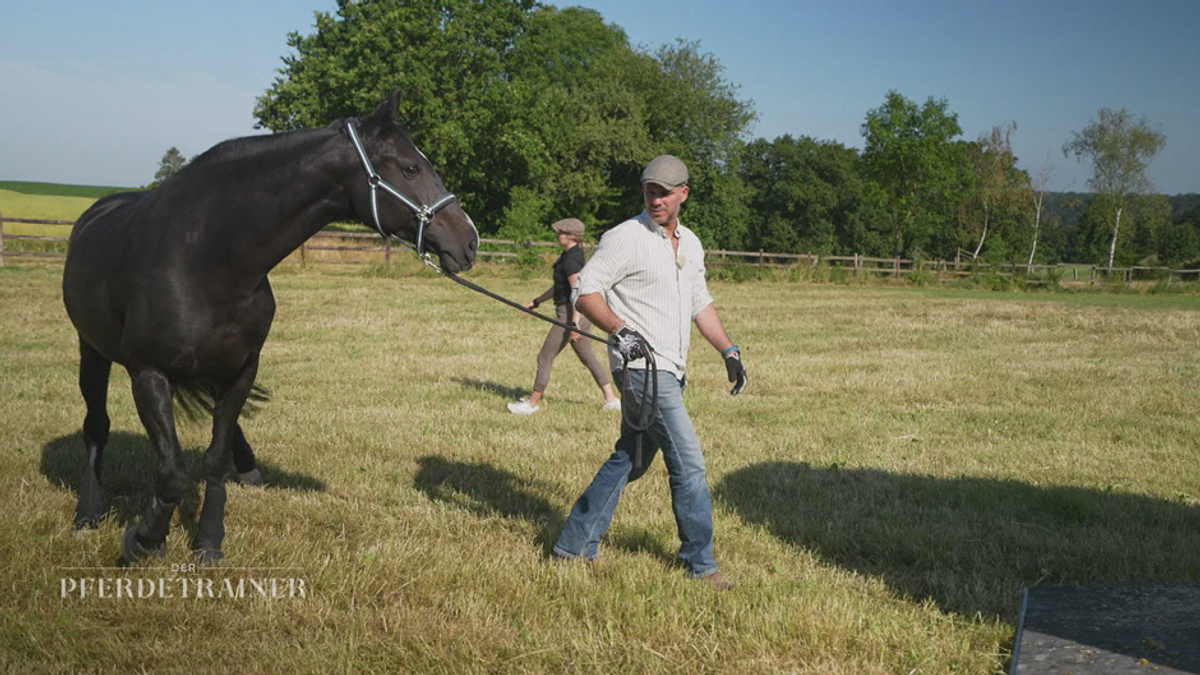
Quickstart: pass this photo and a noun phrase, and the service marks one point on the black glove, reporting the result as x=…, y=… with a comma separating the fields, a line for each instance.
x=631, y=344
x=736, y=372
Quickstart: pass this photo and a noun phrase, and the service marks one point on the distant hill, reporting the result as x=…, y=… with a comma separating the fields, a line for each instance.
x=59, y=190
x=1068, y=206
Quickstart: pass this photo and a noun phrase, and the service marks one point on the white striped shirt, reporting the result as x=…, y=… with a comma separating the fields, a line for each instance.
x=653, y=289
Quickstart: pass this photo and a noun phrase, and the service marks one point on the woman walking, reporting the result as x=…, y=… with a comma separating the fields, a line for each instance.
x=566, y=274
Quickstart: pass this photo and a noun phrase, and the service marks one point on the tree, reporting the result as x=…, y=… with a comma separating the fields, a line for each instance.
x=998, y=183
x=1120, y=148
x=530, y=113
x=694, y=113
x=573, y=118
x=806, y=196
x=1040, y=184
x=172, y=161
x=910, y=153
x=449, y=59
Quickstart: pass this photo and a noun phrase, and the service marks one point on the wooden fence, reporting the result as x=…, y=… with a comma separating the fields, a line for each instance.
x=331, y=248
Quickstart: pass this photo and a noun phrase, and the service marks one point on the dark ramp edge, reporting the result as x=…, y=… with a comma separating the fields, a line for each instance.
x=1109, y=630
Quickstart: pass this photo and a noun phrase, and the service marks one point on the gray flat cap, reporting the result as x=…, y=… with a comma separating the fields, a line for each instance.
x=570, y=226
x=667, y=171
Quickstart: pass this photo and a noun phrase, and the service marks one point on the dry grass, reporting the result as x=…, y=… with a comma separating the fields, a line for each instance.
x=902, y=465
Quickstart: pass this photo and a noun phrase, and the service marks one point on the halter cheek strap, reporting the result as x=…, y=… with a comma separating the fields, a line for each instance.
x=423, y=212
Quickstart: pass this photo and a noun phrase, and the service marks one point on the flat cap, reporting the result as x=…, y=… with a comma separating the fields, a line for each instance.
x=667, y=171
x=570, y=226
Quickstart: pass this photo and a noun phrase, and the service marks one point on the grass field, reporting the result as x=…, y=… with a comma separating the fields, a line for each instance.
x=902, y=465
x=60, y=189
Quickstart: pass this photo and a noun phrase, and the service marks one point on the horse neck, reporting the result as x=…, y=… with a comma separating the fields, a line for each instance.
x=295, y=186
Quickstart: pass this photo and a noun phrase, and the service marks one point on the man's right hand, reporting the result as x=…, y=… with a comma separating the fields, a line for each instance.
x=631, y=344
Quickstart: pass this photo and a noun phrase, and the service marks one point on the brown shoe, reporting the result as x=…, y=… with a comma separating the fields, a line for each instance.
x=718, y=581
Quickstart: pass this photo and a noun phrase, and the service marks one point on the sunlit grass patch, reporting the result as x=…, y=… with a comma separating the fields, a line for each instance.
x=902, y=465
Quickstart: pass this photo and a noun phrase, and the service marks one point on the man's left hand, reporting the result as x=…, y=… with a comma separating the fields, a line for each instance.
x=736, y=371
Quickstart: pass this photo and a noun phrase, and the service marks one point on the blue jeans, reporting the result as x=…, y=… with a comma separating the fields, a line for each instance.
x=673, y=433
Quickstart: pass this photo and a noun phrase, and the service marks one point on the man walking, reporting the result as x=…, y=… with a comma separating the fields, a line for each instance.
x=645, y=285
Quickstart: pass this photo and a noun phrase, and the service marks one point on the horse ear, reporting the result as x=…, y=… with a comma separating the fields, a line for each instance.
x=386, y=112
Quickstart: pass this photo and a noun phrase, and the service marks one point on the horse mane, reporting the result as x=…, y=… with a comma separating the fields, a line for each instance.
x=247, y=147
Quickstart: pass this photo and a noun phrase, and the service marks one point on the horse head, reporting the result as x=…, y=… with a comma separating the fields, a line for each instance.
x=403, y=194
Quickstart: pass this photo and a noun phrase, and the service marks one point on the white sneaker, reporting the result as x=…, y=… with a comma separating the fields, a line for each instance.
x=522, y=407
x=614, y=404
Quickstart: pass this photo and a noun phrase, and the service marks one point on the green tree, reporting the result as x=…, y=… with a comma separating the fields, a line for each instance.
x=1152, y=226
x=807, y=196
x=1119, y=148
x=573, y=118
x=1182, y=243
x=999, y=186
x=172, y=161
x=447, y=56
x=530, y=113
x=694, y=113
x=911, y=154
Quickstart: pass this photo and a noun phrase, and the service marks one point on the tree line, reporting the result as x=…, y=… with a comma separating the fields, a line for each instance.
x=534, y=113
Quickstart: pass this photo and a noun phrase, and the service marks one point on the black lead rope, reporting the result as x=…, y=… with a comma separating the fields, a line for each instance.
x=645, y=414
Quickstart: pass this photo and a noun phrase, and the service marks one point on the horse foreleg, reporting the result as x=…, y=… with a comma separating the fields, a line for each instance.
x=152, y=394
x=226, y=435
x=243, y=460
x=94, y=370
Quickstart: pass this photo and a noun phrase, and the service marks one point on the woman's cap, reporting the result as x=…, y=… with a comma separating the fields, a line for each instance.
x=570, y=226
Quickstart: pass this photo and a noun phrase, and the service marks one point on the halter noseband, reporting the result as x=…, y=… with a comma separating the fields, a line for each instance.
x=424, y=213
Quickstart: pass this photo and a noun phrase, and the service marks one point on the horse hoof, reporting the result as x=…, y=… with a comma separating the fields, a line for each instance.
x=87, y=522
x=207, y=557
x=133, y=550
x=252, y=478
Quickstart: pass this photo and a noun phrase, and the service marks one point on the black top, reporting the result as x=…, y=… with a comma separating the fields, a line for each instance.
x=570, y=262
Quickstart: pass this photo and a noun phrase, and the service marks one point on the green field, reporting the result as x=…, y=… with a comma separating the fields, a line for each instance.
x=60, y=189
x=902, y=465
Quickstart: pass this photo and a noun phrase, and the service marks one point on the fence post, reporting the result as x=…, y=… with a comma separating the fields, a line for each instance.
x=387, y=250
x=1, y=240
x=303, y=250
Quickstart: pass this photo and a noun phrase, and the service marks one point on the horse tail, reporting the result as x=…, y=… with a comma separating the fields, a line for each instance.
x=198, y=399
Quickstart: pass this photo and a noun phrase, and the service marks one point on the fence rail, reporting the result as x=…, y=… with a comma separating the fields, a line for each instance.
x=859, y=265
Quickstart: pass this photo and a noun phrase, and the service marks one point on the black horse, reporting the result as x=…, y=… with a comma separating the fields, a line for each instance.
x=172, y=284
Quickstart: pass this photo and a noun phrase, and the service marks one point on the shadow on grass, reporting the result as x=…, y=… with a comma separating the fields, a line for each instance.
x=487, y=491
x=505, y=392
x=969, y=544
x=127, y=472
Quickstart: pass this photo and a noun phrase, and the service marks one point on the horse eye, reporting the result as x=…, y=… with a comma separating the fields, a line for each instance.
x=411, y=170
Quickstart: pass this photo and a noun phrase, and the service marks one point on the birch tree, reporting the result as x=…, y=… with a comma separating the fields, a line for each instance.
x=1039, y=187
x=997, y=185
x=1119, y=148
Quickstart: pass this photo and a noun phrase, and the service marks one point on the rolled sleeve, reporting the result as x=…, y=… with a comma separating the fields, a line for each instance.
x=605, y=268
x=700, y=296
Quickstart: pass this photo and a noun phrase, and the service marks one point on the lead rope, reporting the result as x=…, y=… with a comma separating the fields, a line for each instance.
x=645, y=414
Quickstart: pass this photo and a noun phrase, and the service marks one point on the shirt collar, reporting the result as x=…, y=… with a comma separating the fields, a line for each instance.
x=654, y=227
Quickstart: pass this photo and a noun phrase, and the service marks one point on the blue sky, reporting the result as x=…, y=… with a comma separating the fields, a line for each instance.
x=95, y=93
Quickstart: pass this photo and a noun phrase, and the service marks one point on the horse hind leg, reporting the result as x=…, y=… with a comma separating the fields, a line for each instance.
x=94, y=371
x=227, y=443
x=243, y=460
x=152, y=394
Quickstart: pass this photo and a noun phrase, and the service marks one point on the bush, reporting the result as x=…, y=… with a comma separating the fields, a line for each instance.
x=922, y=278
x=530, y=262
